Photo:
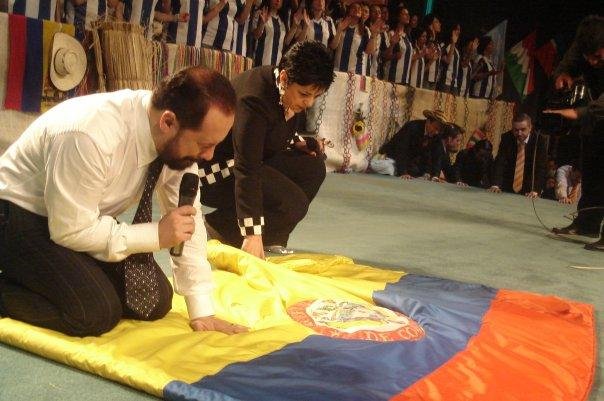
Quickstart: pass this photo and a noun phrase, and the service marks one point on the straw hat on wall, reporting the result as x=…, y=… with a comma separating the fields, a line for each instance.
x=68, y=62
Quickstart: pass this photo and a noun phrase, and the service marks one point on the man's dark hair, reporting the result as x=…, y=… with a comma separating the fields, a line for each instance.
x=483, y=42
x=590, y=35
x=308, y=63
x=520, y=117
x=451, y=131
x=190, y=93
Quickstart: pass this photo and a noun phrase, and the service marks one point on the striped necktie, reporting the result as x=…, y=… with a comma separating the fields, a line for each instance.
x=574, y=192
x=140, y=269
x=519, y=171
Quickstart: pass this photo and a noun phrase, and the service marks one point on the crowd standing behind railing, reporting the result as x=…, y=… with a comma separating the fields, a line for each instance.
x=367, y=37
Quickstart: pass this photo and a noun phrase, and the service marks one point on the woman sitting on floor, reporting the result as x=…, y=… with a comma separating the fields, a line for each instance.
x=263, y=176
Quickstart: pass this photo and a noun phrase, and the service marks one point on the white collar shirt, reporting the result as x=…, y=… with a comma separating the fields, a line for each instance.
x=85, y=162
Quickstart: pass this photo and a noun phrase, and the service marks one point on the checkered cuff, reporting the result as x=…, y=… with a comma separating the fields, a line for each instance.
x=216, y=172
x=251, y=225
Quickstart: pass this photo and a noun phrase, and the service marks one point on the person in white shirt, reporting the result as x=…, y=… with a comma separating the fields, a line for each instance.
x=484, y=71
x=399, y=54
x=568, y=184
x=354, y=42
x=321, y=28
x=64, y=255
x=450, y=60
x=433, y=54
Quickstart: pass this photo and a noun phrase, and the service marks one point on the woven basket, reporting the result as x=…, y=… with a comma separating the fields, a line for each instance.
x=123, y=56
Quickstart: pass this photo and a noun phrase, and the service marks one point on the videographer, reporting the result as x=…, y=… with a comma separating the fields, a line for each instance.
x=585, y=59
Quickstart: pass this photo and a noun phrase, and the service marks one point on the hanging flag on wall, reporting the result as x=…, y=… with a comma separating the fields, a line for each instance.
x=24, y=61
x=519, y=62
x=498, y=36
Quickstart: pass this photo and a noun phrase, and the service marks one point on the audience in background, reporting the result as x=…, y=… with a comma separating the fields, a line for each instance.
x=450, y=63
x=411, y=53
x=398, y=55
x=484, y=72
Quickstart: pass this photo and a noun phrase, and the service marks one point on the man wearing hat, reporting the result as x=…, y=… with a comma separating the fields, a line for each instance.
x=415, y=148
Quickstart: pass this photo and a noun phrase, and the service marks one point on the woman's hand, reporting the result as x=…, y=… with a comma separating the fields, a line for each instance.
x=253, y=245
x=311, y=146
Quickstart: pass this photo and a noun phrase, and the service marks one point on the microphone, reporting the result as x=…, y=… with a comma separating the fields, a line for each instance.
x=186, y=196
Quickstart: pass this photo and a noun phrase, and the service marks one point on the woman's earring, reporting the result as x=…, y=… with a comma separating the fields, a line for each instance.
x=282, y=88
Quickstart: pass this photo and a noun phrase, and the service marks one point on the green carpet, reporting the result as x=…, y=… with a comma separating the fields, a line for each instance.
x=422, y=227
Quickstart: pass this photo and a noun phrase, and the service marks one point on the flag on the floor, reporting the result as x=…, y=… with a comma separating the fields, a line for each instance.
x=547, y=56
x=498, y=56
x=519, y=63
x=324, y=328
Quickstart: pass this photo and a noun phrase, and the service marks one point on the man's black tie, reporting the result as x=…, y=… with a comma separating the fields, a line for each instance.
x=141, y=269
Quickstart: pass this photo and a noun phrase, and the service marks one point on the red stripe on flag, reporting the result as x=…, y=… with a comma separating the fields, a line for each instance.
x=17, y=29
x=530, y=347
x=529, y=43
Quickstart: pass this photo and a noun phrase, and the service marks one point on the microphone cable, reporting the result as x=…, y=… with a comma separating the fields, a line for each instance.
x=549, y=230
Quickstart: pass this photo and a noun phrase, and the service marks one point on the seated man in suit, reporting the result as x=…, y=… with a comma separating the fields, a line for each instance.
x=451, y=138
x=513, y=169
x=474, y=164
x=415, y=147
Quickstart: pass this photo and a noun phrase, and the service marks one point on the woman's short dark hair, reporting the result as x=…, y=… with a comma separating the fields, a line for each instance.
x=483, y=42
x=590, y=35
x=308, y=63
x=190, y=92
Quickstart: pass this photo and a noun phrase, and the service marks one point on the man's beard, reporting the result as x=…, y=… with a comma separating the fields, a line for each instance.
x=177, y=164
x=173, y=162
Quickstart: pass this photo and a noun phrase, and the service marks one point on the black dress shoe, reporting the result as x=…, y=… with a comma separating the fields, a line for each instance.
x=596, y=246
x=573, y=229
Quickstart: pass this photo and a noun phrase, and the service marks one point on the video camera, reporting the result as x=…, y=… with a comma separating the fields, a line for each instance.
x=555, y=124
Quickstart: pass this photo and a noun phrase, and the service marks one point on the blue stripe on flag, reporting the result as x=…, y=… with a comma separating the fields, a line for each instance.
x=323, y=368
x=32, y=80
